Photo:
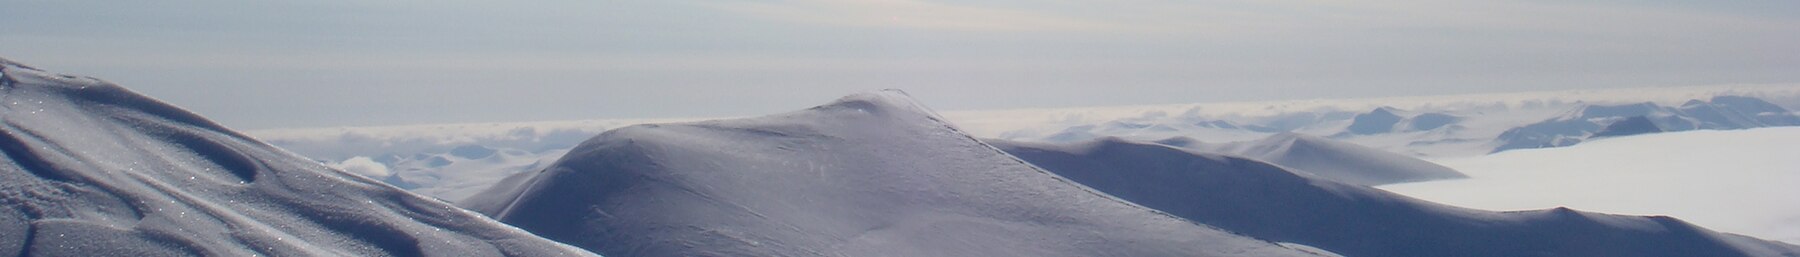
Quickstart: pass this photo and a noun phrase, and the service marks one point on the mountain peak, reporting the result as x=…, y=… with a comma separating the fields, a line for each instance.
x=879, y=102
x=472, y=151
x=1380, y=120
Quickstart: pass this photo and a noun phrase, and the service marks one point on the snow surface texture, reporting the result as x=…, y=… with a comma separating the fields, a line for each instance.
x=93, y=169
x=1265, y=201
x=872, y=174
x=1340, y=161
x=1739, y=181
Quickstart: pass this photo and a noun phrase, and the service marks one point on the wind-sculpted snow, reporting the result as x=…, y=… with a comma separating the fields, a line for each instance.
x=869, y=175
x=93, y=169
x=1340, y=161
x=1265, y=201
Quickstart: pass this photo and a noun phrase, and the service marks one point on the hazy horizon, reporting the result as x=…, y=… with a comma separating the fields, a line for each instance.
x=352, y=63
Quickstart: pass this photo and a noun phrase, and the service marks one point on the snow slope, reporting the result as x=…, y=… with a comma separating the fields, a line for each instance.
x=1740, y=181
x=871, y=174
x=93, y=169
x=1265, y=201
x=1340, y=161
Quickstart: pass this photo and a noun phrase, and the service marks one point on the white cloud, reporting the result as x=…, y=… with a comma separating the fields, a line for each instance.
x=361, y=165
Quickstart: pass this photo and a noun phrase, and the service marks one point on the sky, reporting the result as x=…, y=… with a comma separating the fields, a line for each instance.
x=275, y=64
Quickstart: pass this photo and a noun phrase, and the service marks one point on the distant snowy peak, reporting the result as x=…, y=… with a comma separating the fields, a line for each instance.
x=1328, y=158
x=1380, y=120
x=871, y=174
x=1266, y=201
x=1385, y=120
x=473, y=152
x=1635, y=125
x=93, y=169
x=1587, y=121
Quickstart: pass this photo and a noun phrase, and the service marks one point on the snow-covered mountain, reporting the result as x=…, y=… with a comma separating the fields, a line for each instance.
x=93, y=169
x=1720, y=113
x=1265, y=201
x=1337, y=160
x=872, y=174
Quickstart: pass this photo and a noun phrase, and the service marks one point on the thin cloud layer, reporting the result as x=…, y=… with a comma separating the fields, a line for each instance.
x=305, y=64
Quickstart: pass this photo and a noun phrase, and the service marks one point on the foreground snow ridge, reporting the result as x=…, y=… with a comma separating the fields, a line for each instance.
x=872, y=174
x=93, y=169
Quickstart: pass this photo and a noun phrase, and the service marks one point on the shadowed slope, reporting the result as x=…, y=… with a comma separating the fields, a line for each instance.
x=1336, y=160
x=1265, y=201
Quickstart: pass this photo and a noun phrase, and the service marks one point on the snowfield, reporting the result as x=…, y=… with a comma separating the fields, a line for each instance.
x=1738, y=181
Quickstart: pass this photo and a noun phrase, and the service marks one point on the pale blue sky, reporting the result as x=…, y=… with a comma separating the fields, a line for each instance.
x=264, y=64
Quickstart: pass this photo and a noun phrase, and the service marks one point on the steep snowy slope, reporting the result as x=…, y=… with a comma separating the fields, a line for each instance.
x=1265, y=201
x=869, y=175
x=93, y=169
x=1340, y=161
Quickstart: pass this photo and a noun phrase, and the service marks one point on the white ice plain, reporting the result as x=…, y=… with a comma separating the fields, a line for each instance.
x=1737, y=181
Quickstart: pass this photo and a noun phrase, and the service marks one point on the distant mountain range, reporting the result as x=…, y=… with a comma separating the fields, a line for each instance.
x=1451, y=132
x=1590, y=121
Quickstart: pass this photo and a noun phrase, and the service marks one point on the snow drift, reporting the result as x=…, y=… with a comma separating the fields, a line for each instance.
x=93, y=169
x=872, y=174
x=1341, y=161
x=1265, y=201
